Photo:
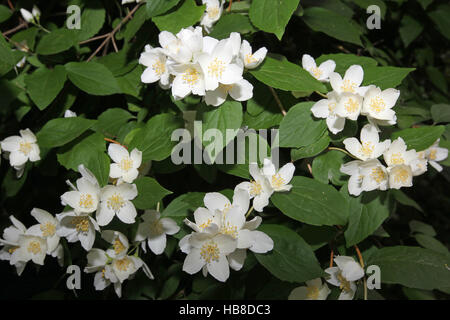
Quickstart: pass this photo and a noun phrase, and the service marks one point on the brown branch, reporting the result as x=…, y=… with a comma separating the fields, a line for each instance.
x=94, y=38
x=112, y=33
x=278, y=101
x=331, y=258
x=116, y=142
x=17, y=28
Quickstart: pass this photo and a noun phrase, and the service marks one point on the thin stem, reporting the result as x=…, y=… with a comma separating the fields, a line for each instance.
x=94, y=38
x=331, y=258
x=278, y=101
x=361, y=262
x=157, y=206
x=321, y=94
x=342, y=150
x=17, y=28
x=116, y=142
x=249, y=211
x=112, y=33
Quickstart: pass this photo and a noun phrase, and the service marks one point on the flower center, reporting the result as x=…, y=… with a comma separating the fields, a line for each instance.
x=377, y=104
x=348, y=86
x=205, y=224
x=228, y=229
x=213, y=12
x=401, y=175
x=249, y=58
x=255, y=189
x=316, y=72
x=118, y=246
x=210, y=252
x=48, y=229
x=159, y=67
x=397, y=158
x=432, y=155
x=34, y=247
x=345, y=284
x=216, y=68
x=86, y=201
x=115, y=202
x=331, y=106
x=126, y=164
x=157, y=227
x=25, y=148
x=226, y=87
x=367, y=148
x=122, y=264
x=351, y=105
x=191, y=77
x=378, y=174
x=312, y=292
x=81, y=224
x=277, y=181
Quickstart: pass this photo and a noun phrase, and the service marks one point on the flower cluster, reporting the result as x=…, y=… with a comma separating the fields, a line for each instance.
x=348, y=100
x=344, y=276
x=188, y=63
x=221, y=235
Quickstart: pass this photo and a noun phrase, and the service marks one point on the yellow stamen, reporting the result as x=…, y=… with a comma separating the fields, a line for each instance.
x=210, y=252
x=159, y=67
x=312, y=292
x=48, y=229
x=396, y=158
x=126, y=164
x=377, y=104
x=34, y=247
x=216, y=68
x=25, y=147
x=191, y=77
x=229, y=229
x=81, y=224
x=401, y=175
x=367, y=148
x=348, y=86
x=277, y=181
x=118, y=246
x=378, y=174
x=249, y=58
x=256, y=188
x=123, y=264
x=115, y=202
x=345, y=284
x=331, y=106
x=316, y=72
x=432, y=155
x=86, y=201
x=213, y=12
x=351, y=105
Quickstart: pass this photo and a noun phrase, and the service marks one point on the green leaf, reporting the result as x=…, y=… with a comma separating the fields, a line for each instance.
x=312, y=202
x=44, y=84
x=287, y=76
x=326, y=167
x=133, y=26
x=89, y=151
x=92, y=20
x=150, y=192
x=7, y=59
x=419, y=138
x=412, y=267
x=440, y=18
x=156, y=7
x=409, y=30
x=5, y=13
x=93, y=78
x=231, y=23
x=57, y=41
x=367, y=213
x=312, y=150
x=431, y=243
x=345, y=60
x=183, y=205
x=272, y=16
x=185, y=16
x=385, y=77
x=402, y=198
x=299, y=128
x=225, y=118
x=417, y=294
x=154, y=140
x=112, y=120
x=332, y=24
x=291, y=259
x=440, y=113
x=421, y=227
x=58, y=132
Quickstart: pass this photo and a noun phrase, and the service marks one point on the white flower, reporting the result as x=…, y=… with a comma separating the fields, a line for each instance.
x=435, y=154
x=27, y=15
x=369, y=147
x=10, y=243
x=84, y=198
x=30, y=248
x=69, y=114
x=126, y=165
x=46, y=228
x=155, y=62
x=258, y=189
x=396, y=154
x=239, y=91
x=400, y=176
x=351, y=83
x=278, y=179
x=130, y=1
x=77, y=227
x=116, y=201
x=352, y=168
x=188, y=78
x=365, y=176
x=322, y=72
x=119, y=243
x=344, y=276
x=314, y=290
x=349, y=106
x=252, y=60
x=212, y=13
x=21, y=148
x=154, y=229
x=36, y=13
x=377, y=105
x=176, y=48
x=99, y=262
x=326, y=109
x=208, y=252
x=218, y=66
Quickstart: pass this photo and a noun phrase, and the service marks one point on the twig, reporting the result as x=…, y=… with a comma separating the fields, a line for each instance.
x=114, y=44
x=309, y=168
x=277, y=100
x=116, y=142
x=112, y=33
x=249, y=211
x=94, y=38
x=17, y=28
x=361, y=262
x=10, y=5
x=321, y=94
x=331, y=258
x=342, y=150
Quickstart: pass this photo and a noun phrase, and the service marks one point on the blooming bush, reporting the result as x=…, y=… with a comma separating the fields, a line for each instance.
x=224, y=149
